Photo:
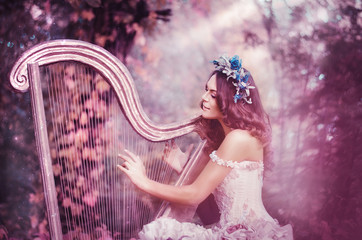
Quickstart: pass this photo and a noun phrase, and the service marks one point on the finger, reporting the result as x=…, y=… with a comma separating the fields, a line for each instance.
x=123, y=156
x=126, y=158
x=133, y=156
x=166, y=149
x=189, y=149
x=127, y=165
x=173, y=144
x=166, y=153
x=122, y=168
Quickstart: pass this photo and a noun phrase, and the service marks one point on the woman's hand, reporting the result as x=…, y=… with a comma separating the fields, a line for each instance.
x=175, y=157
x=133, y=168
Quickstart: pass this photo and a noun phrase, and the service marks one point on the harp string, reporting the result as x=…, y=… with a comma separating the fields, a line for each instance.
x=65, y=156
x=118, y=187
x=144, y=213
x=55, y=148
x=88, y=130
x=103, y=116
x=58, y=128
x=112, y=160
x=123, y=140
x=81, y=149
x=115, y=180
x=72, y=91
x=89, y=167
x=99, y=181
x=67, y=147
x=98, y=166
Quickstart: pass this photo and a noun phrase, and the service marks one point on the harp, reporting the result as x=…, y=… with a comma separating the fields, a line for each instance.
x=86, y=110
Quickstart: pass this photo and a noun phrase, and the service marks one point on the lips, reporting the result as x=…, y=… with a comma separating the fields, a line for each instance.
x=205, y=108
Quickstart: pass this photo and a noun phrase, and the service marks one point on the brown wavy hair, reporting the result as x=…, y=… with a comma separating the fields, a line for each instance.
x=240, y=115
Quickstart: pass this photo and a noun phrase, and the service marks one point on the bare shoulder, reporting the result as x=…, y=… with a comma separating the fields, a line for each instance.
x=239, y=138
x=239, y=145
x=238, y=135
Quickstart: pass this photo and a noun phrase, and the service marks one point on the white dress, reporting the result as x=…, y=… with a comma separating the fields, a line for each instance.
x=243, y=215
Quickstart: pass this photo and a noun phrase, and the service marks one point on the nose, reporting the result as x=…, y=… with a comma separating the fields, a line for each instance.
x=204, y=96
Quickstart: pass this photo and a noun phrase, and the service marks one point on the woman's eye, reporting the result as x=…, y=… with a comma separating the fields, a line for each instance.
x=213, y=95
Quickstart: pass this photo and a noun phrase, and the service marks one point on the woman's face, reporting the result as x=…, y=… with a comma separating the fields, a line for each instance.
x=210, y=109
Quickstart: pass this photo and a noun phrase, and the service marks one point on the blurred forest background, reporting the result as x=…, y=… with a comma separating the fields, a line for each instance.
x=305, y=57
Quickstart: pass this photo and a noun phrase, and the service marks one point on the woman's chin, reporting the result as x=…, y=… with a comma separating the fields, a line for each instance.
x=205, y=115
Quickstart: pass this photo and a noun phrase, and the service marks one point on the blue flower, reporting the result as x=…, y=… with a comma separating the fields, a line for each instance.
x=235, y=63
x=246, y=78
x=232, y=68
x=237, y=97
x=241, y=86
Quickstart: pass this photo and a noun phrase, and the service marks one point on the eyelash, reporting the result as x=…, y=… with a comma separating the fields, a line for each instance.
x=213, y=96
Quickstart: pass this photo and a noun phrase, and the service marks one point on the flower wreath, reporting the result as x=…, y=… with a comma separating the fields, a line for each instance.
x=233, y=69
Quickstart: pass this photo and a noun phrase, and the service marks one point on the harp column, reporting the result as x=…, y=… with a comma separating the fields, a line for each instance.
x=41, y=136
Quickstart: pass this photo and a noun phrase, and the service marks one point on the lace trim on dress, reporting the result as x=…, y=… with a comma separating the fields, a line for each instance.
x=250, y=165
x=260, y=230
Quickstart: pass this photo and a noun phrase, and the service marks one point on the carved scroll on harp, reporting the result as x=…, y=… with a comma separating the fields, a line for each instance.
x=86, y=110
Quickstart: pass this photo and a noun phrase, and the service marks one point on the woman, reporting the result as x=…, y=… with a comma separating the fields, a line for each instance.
x=238, y=130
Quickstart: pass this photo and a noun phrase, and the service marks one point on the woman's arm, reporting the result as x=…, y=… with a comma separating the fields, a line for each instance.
x=210, y=177
x=193, y=194
x=234, y=147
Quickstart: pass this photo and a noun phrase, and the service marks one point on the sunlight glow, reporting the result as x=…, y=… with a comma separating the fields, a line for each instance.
x=323, y=14
x=230, y=16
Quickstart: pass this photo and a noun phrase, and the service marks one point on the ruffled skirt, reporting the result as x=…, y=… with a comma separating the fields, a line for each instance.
x=171, y=229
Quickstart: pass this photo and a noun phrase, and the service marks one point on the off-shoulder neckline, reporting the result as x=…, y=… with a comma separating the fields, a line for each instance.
x=233, y=164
